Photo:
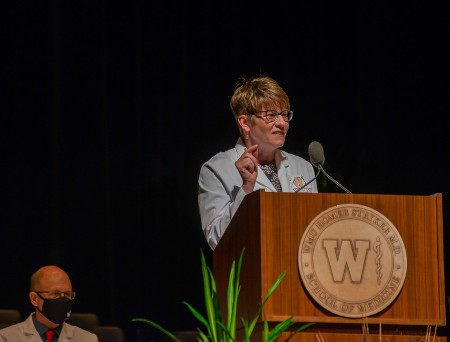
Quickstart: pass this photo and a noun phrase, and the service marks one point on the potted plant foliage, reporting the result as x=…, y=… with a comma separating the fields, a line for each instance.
x=218, y=330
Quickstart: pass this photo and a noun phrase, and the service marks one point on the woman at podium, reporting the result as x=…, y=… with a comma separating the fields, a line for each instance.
x=263, y=114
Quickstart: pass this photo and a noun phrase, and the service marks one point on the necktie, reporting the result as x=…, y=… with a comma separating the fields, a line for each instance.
x=49, y=335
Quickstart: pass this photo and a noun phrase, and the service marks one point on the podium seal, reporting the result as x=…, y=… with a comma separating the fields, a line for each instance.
x=352, y=260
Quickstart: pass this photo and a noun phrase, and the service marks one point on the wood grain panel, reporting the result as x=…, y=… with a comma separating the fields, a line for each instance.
x=333, y=337
x=270, y=226
x=351, y=333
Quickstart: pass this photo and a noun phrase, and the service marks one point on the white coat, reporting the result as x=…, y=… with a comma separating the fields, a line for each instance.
x=220, y=192
x=25, y=331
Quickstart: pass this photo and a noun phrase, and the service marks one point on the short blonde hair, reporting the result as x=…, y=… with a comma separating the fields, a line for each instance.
x=250, y=95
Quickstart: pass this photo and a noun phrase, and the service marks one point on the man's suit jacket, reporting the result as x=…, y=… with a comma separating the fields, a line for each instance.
x=26, y=332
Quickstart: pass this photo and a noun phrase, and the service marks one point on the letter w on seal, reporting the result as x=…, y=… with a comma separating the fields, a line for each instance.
x=346, y=258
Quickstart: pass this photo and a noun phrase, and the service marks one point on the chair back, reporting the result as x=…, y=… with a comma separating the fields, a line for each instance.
x=9, y=317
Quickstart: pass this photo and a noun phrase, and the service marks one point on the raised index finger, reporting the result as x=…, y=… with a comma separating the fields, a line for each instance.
x=253, y=150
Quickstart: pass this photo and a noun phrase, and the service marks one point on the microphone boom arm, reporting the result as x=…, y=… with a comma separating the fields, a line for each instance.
x=331, y=178
x=301, y=188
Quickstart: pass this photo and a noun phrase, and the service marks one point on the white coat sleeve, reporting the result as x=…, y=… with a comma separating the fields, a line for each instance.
x=218, y=201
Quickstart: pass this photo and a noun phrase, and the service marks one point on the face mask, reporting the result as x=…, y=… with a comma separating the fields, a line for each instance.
x=56, y=310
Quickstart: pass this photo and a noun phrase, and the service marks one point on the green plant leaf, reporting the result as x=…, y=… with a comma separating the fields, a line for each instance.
x=232, y=322
x=255, y=319
x=266, y=331
x=280, y=328
x=272, y=288
x=303, y=327
x=211, y=279
x=218, y=315
x=157, y=326
x=208, y=300
x=230, y=295
x=234, y=289
x=197, y=314
x=226, y=336
x=246, y=331
x=216, y=305
x=203, y=337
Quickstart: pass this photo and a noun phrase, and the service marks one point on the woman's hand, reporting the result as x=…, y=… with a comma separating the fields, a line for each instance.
x=247, y=165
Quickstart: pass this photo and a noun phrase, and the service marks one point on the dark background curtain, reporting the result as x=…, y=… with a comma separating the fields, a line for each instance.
x=110, y=108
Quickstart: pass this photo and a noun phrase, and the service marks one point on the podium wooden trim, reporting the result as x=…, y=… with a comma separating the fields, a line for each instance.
x=270, y=225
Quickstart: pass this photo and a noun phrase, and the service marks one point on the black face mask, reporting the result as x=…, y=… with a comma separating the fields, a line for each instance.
x=56, y=310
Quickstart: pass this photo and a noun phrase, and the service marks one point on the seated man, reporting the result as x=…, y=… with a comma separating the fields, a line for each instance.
x=51, y=295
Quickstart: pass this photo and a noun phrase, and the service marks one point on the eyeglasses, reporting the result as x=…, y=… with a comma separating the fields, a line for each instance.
x=58, y=294
x=272, y=115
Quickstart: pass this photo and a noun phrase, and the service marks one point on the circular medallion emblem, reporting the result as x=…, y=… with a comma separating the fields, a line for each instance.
x=352, y=260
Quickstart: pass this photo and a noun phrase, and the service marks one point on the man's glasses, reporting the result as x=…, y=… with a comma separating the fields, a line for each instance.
x=58, y=294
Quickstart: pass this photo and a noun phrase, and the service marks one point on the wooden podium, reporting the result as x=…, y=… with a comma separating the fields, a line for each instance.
x=270, y=226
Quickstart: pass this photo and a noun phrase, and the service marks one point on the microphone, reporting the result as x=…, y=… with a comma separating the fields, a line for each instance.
x=316, y=155
x=317, y=159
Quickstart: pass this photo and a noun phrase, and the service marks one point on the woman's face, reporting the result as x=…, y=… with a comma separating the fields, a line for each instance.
x=268, y=135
